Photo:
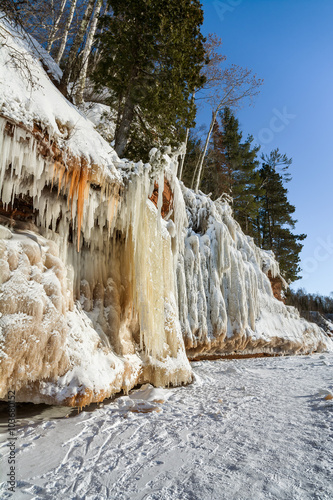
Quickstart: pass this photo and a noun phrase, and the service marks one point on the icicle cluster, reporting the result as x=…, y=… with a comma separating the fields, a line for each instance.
x=33, y=306
x=226, y=303
x=120, y=257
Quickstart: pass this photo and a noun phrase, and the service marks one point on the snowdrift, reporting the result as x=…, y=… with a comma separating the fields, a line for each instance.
x=98, y=291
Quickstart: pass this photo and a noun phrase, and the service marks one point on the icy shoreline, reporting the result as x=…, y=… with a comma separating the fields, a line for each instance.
x=251, y=429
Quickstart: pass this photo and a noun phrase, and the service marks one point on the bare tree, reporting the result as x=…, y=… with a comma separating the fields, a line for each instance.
x=65, y=32
x=35, y=16
x=233, y=86
x=10, y=10
x=75, y=47
x=16, y=57
x=86, y=52
x=96, y=55
x=182, y=160
x=214, y=60
x=55, y=25
x=229, y=86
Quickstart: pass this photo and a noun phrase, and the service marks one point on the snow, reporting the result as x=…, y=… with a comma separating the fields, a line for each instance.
x=28, y=96
x=94, y=367
x=245, y=429
x=103, y=117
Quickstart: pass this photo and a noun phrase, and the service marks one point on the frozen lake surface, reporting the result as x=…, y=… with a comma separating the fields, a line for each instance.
x=245, y=429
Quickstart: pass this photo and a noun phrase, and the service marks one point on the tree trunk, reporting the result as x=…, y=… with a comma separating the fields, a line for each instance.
x=66, y=31
x=182, y=161
x=258, y=242
x=96, y=57
x=199, y=166
x=55, y=27
x=122, y=132
x=270, y=233
x=75, y=47
x=86, y=53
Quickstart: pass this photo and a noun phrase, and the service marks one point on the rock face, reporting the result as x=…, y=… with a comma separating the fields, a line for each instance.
x=167, y=198
x=109, y=269
x=88, y=296
x=278, y=286
x=324, y=321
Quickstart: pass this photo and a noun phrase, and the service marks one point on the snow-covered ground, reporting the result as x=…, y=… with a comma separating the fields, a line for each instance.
x=245, y=429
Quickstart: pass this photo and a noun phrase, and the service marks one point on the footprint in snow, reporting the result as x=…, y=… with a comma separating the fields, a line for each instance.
x=48, y=425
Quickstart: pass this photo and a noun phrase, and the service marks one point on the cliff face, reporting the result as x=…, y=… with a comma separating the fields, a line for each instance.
x=109, y=269
x=167, y=199
x=88, y=297
x=226, y=301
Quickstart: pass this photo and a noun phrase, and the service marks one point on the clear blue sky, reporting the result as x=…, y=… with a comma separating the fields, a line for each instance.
x=289, y=43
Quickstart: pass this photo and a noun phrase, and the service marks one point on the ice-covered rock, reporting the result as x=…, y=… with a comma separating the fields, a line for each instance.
x=115, y=319
x=226, y=302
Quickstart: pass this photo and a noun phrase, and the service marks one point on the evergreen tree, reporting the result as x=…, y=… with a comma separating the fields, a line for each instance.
x=232, y=168
x=276, y=221
x=151, y=56
x=308, y=303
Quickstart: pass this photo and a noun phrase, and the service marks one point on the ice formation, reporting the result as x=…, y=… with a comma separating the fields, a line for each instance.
x=226, y=300
x=119, y=263
x=97, y=291
x=118, y=324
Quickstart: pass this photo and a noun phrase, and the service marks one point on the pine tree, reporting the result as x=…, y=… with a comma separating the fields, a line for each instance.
x=276, y=221
x=232, y=168
x=151, y=56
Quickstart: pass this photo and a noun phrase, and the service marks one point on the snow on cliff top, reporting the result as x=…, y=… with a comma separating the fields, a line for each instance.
x=28, y=96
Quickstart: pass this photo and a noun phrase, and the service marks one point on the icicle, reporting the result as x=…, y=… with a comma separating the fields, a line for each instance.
x=82, y=184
